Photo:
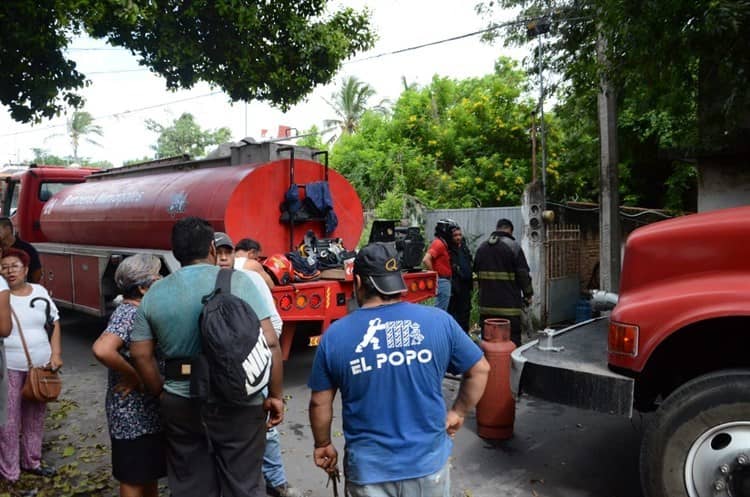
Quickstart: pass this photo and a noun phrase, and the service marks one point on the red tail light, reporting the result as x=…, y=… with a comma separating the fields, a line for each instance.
x=285, y=302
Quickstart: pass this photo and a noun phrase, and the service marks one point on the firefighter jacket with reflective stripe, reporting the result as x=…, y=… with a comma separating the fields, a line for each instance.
x=503, y=275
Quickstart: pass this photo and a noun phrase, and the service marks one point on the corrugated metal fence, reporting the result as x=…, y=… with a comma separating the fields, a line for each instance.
x=476, y=224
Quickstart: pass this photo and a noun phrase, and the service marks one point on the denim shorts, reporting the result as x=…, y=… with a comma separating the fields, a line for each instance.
x=434, y=485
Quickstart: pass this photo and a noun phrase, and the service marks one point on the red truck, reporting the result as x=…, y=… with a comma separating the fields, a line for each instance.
x=84, y=222
x=677, y=342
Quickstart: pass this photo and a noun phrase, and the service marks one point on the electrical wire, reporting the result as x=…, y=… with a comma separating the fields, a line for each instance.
x=622, y=211
x=116, y=114
x=494, y=27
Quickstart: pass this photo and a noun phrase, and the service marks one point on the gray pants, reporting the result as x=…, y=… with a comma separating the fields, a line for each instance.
x=218, y=453
x=434, y=485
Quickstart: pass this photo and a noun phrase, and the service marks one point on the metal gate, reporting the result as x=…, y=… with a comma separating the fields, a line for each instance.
x=563, y=249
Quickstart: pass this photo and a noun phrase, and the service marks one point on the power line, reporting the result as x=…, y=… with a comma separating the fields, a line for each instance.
x=494, y=27
x=116, y=114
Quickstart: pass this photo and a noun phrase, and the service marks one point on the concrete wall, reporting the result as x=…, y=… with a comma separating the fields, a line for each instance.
x=721, y=186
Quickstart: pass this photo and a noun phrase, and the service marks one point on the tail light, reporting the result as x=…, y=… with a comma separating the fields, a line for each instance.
x=315, y=300
x=301, y=301
x=285, y=302
x=623, y=339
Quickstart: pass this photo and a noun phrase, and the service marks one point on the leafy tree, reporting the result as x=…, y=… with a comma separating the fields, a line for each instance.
x=185, y=136
x=275, y=51
x=312, y=138
x=695, y=102
x=80, y=126
x=43, y=158
x=451, y=144
x=350, y=103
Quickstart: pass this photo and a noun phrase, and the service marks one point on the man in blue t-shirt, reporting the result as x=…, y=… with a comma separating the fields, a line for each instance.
x=388, y=359
x=214, y=449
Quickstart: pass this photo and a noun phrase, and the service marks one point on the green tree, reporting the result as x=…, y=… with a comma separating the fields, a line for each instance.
x=275, y=51
x=350, y=103
x=451, y=144
x=81, y=126
x=693, y=102
x=312, y=138
x=185, y=136
x=42, y=157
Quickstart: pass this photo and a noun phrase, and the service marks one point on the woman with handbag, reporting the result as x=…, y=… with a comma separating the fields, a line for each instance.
x=28, y=345
x=138, y=450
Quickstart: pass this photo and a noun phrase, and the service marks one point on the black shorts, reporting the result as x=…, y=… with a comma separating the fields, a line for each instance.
x=140, y=460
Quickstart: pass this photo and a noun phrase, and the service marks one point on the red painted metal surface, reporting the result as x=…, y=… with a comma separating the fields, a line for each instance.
x=139, y=210
x=496, y=410
x=56, y=275
x=682, y=271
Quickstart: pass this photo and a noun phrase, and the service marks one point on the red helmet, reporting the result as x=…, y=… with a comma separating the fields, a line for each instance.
x=280, y=269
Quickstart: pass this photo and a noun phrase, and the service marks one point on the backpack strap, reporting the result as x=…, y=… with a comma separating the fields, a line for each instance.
x=224, y=281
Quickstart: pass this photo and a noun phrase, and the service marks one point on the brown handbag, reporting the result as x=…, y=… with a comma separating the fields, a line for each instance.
x=43, y=384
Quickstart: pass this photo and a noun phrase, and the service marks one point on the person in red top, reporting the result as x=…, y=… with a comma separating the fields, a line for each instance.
x=438, y=259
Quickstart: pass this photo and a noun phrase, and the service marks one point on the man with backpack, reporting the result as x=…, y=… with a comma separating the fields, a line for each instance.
x=215, y=435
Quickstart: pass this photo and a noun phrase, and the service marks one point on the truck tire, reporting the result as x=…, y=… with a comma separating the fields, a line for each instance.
x=698, y=444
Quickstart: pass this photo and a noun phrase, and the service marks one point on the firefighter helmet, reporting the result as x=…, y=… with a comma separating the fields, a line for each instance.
x=444, y=228
x=279, y=268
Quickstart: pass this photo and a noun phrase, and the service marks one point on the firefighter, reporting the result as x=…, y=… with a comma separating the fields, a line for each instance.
x=503, y=275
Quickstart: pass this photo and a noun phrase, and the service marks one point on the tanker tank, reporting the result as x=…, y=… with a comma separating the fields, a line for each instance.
x=137, y=208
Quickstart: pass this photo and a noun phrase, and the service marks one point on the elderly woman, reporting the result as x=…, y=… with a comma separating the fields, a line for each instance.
x=138, y=457
x=21, y=436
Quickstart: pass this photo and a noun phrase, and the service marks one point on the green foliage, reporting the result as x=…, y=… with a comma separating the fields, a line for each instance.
x=43, y=158
x=451, y=144
x=311, y=138
x=185, y=136
x=682, y=75
x=275, y=51
x=80, y=126
x=349, y=104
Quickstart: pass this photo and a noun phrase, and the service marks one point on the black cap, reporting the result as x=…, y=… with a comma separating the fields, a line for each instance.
x=221, y=239
x=379, y=262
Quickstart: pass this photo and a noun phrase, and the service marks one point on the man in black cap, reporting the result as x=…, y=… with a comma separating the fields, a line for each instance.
x=388, y=359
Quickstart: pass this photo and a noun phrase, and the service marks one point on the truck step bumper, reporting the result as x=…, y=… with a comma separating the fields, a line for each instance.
x=577, y=375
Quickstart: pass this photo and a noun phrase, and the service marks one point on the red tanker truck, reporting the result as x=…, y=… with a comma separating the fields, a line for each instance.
x=677, y=342
x=84, y=222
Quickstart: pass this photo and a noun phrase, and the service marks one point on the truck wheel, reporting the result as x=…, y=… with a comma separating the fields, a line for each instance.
x=698, y=445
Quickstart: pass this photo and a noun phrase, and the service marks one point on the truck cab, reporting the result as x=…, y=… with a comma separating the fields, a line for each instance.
x=32, y=189
x=676, y=343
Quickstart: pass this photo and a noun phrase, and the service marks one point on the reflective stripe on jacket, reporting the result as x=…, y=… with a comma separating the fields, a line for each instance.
x=503, y=275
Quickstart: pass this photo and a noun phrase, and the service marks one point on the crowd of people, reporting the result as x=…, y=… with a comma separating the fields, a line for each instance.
x=500, y=267
x=386, y=359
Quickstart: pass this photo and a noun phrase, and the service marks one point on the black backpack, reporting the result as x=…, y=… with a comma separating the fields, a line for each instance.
x=235, y=361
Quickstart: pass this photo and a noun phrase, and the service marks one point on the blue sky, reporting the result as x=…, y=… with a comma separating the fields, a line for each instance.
x=123, y=94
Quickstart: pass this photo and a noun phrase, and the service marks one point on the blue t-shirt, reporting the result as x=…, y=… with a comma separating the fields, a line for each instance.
x=170, y=310
x=389, y=362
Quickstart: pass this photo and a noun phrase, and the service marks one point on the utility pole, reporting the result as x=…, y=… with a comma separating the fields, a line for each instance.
x=541, y=28
x=609, y=202
x=534, y=197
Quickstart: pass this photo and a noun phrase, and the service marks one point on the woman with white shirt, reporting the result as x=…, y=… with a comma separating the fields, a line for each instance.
x=21, y=436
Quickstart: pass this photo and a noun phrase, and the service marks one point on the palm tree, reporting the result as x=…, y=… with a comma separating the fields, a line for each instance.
x=349, y=103
x=80, y=125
